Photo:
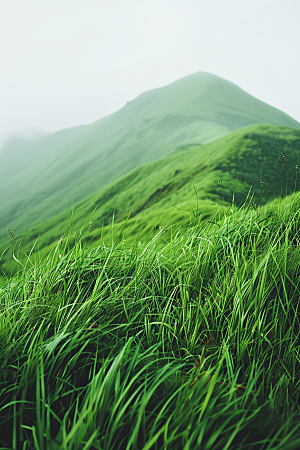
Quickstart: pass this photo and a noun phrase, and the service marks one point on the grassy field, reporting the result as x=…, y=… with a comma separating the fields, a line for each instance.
x=40, y=179
x=179, y=188
x=188, y=341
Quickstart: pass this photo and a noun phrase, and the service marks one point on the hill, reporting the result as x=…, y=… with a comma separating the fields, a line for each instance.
x=185, y=185
x=40, y=179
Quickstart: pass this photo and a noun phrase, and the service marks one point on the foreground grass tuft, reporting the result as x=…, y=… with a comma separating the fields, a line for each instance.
x=190, y=341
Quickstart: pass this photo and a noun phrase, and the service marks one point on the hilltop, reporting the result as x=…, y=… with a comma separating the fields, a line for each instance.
x=42, y=178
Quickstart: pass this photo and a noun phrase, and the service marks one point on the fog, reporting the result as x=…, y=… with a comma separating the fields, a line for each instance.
x=67, y=63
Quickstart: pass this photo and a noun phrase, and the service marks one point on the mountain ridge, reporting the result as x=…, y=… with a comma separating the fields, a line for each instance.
x=63, y=168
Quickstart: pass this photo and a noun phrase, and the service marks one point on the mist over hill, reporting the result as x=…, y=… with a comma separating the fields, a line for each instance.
x=41, y=178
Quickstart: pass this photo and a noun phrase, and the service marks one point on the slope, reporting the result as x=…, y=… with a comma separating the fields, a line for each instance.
x=41, y=179
x=185, y=184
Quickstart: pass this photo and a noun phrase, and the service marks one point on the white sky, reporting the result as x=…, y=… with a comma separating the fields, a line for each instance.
x=70, y=62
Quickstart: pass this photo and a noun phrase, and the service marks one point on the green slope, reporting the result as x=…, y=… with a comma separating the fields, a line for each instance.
x=164, y=192
x=42, y=178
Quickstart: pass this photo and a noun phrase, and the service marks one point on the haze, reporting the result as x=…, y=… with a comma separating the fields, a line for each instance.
x=67, y=63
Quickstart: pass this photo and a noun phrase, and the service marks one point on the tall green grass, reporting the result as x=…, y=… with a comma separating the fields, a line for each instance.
x=189, y=341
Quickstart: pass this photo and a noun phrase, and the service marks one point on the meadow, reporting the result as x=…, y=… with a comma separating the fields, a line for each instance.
x=190, y=340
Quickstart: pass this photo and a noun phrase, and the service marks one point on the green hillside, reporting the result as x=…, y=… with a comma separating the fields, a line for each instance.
x=185, y=185
x=42, y=178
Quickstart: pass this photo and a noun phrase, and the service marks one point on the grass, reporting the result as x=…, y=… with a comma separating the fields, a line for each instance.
x=188, y=341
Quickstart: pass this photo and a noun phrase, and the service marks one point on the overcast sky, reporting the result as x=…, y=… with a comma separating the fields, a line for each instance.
x=70, y=62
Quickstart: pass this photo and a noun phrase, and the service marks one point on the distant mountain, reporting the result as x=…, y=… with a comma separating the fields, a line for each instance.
x=185, y=184
x=41, y=179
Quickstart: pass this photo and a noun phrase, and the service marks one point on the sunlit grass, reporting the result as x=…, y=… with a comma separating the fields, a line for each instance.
x=189, y=341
